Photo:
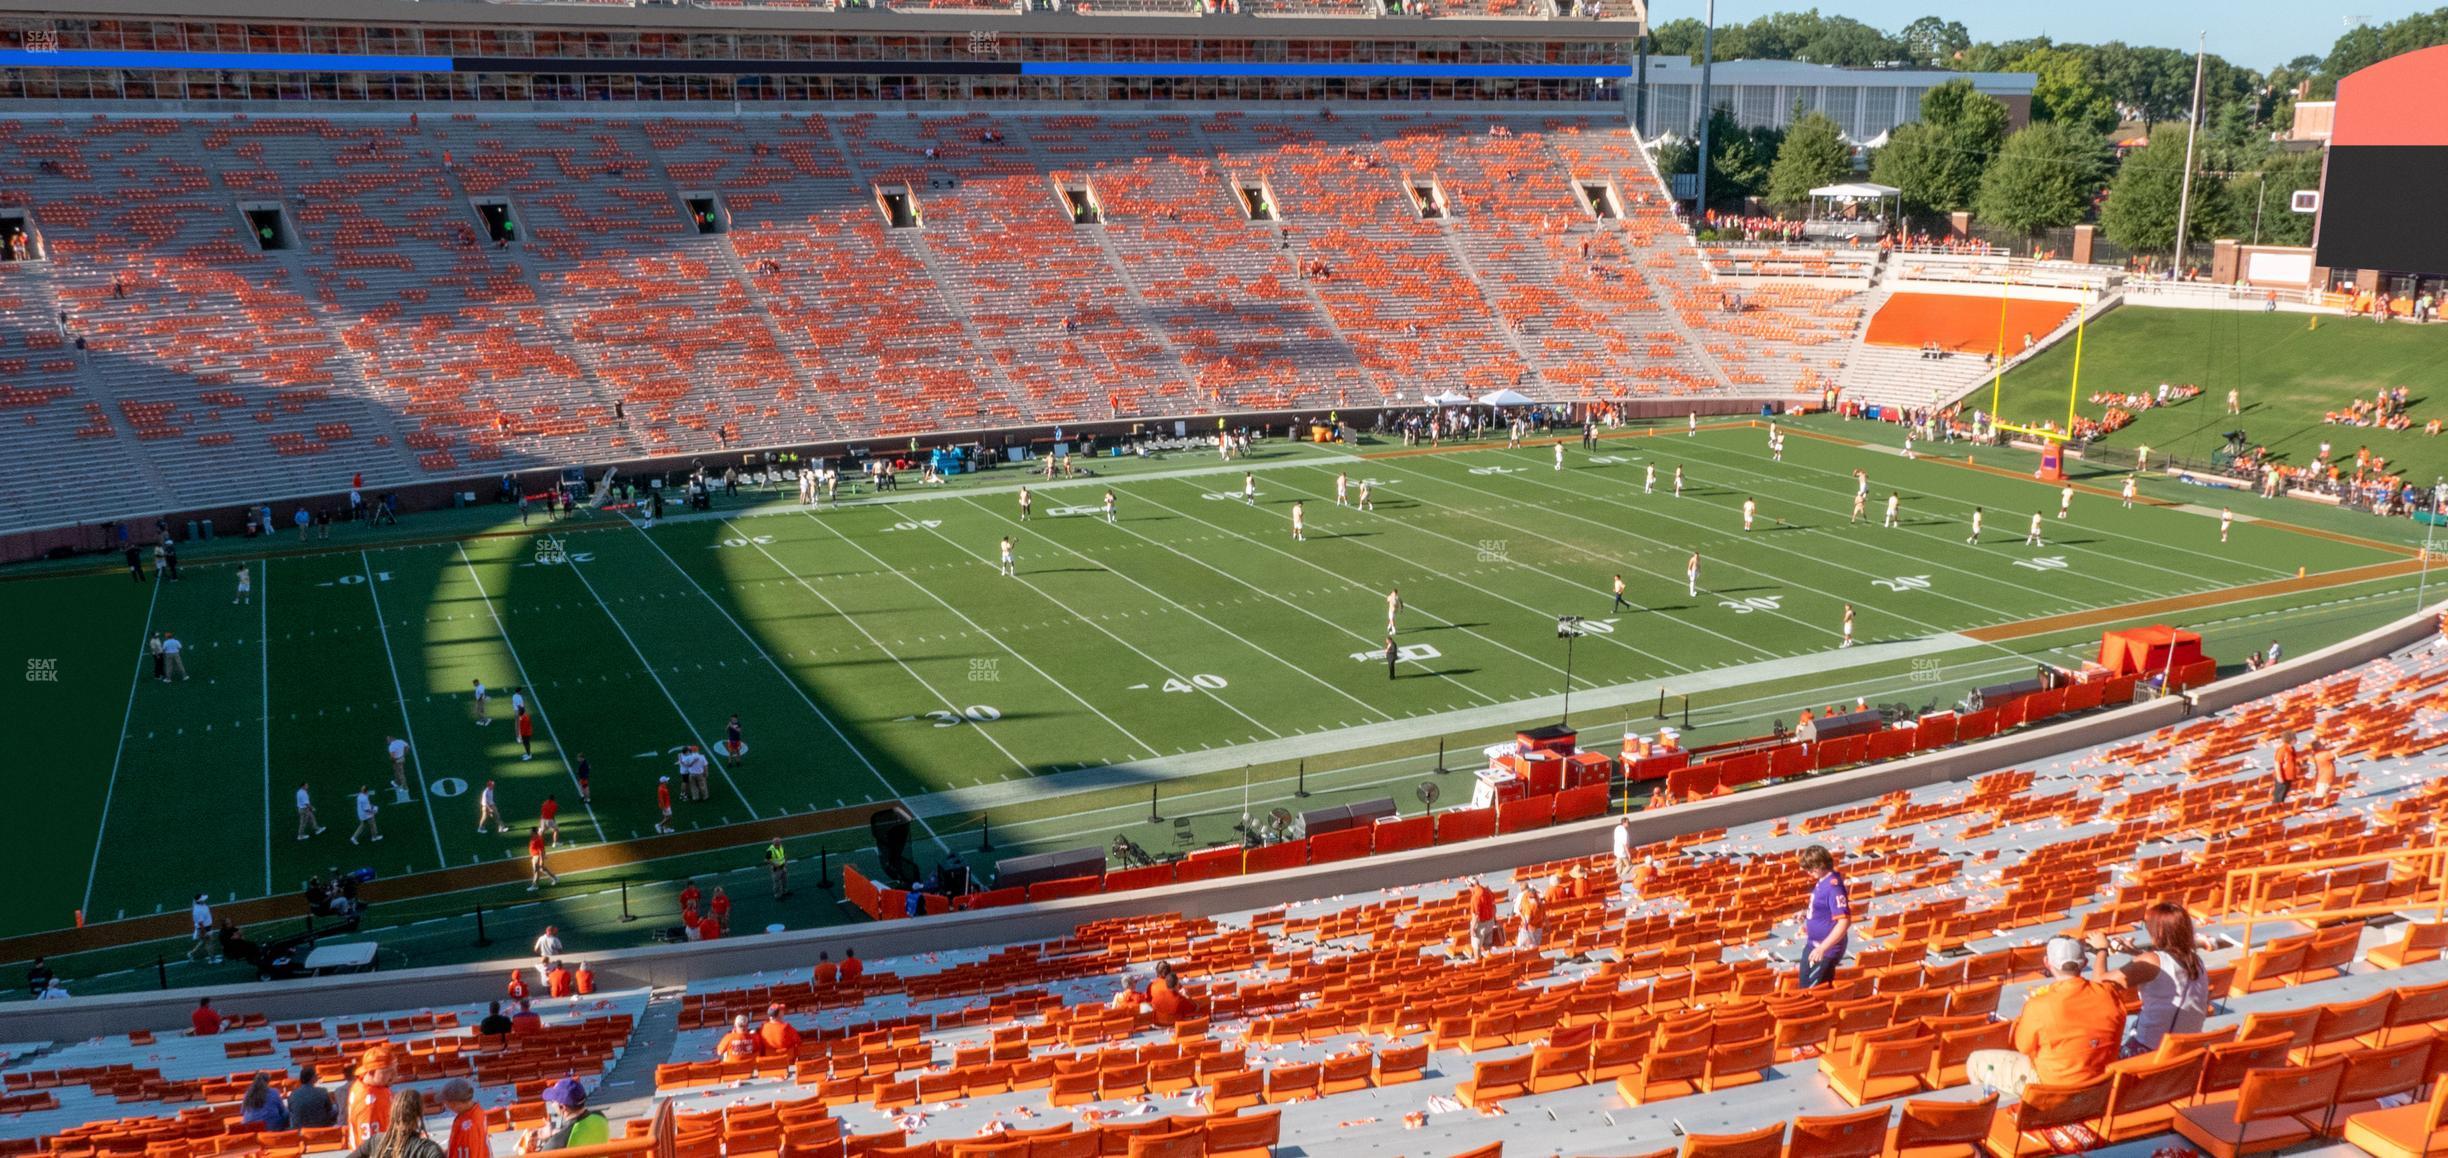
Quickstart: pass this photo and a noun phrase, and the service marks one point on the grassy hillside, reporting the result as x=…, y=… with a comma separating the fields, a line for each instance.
x=2290, y=373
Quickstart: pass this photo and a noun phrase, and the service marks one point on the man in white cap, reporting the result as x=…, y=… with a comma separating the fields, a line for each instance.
x=2067, y=1034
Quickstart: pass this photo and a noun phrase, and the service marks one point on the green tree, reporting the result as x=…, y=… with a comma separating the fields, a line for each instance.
x=2142, y=203
x=2044, y=177
x=2067, y=90
x=1739, y=159
x=1937, y=161
x=1813, y=154
x=2264, y=201
x=2367, y=45
x=1931, y=41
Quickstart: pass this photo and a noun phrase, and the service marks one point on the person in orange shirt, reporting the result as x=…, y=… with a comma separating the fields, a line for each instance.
x=470, y=1133
x=852, y=967
x=561, y=982
x=2290, y=769
x=584, y=979
x=2324, y=770
x=369, y=1096
x=1165, y=998
x=1483, y=928
x=738, y=1045
x=1530, y=911
x=2069, y=1031
x=826, y=970
x=709, y=929
x=518, y=985
x=719, y=907
x=777, y=1037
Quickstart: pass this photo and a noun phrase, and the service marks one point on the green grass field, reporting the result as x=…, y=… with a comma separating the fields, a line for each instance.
x=874, y=653
x=2289, y=375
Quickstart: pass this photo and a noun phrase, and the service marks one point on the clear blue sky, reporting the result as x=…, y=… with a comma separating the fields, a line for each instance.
x=2253, y=33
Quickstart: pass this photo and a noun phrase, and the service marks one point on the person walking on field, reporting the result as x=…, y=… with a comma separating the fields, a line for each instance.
x=2226, y=521
x=1367, y=501
x=366, y=810
x=1678, y=482
x=735, y=745
x=173, y=667
x=161, y=659
x=1750, y=508
x=663, y=803
x=777, y=864
x=526, y=733
x=1025, y=503
x=246, y=586
x=1894, y=500
x=2033, y=539
x=2129, y=492
x=548, y=819
x=1691, y=575
x=397, y=749
x=1649, y=479
x=488, y=810
x=1394, y=606
x=1005, y=567
x=2065, y=500
x=538, y=871
x=1300, y=532
x=1620, y=604
x=482, y=705
x=1848, y=626
x=307, y=824
x=1974, y=537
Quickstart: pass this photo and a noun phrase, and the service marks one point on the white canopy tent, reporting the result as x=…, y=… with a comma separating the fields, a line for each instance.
x=1449, y=398
x=1852, y=210
x=1506, y=397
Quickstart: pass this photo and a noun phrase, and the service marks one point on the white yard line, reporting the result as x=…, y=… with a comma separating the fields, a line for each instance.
x=579, y=570
x=2080, y=498
x=1541, y=612
x=989, y=636
x=416, y=754
x=1235, y=636
x=559, y=752
x=2008, y=528
x=1158, y=664
x=263, y=653
x=1356, y=584
x=1770, y=545
x=144, y=657
x=858, y=753
x=882, y=650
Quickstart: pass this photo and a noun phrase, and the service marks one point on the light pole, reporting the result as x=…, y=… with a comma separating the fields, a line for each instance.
x=1708, y=54
x=1568, y=629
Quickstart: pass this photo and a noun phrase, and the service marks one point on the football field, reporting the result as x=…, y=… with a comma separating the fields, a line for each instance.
x=873, y=652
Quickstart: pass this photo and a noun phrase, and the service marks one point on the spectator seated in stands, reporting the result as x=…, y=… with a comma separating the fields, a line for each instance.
x=38, y=977
x=205, y=1021
x=740, y=1044
x=777, y=1038
x=495, y=1023
x=567, y=1121
x=309, y=1107
x=2067, y=1034
x=261, y=1106
x=526, y=1020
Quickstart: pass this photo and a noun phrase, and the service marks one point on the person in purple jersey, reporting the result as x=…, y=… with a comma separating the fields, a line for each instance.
x=1828, y=921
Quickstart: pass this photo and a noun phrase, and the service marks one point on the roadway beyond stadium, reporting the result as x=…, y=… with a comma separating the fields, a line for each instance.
x=1191, y=647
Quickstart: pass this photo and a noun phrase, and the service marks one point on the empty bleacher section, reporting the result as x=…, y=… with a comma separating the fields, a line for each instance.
x=1962, y=323
x=1656, y=1003
x=273, y=304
